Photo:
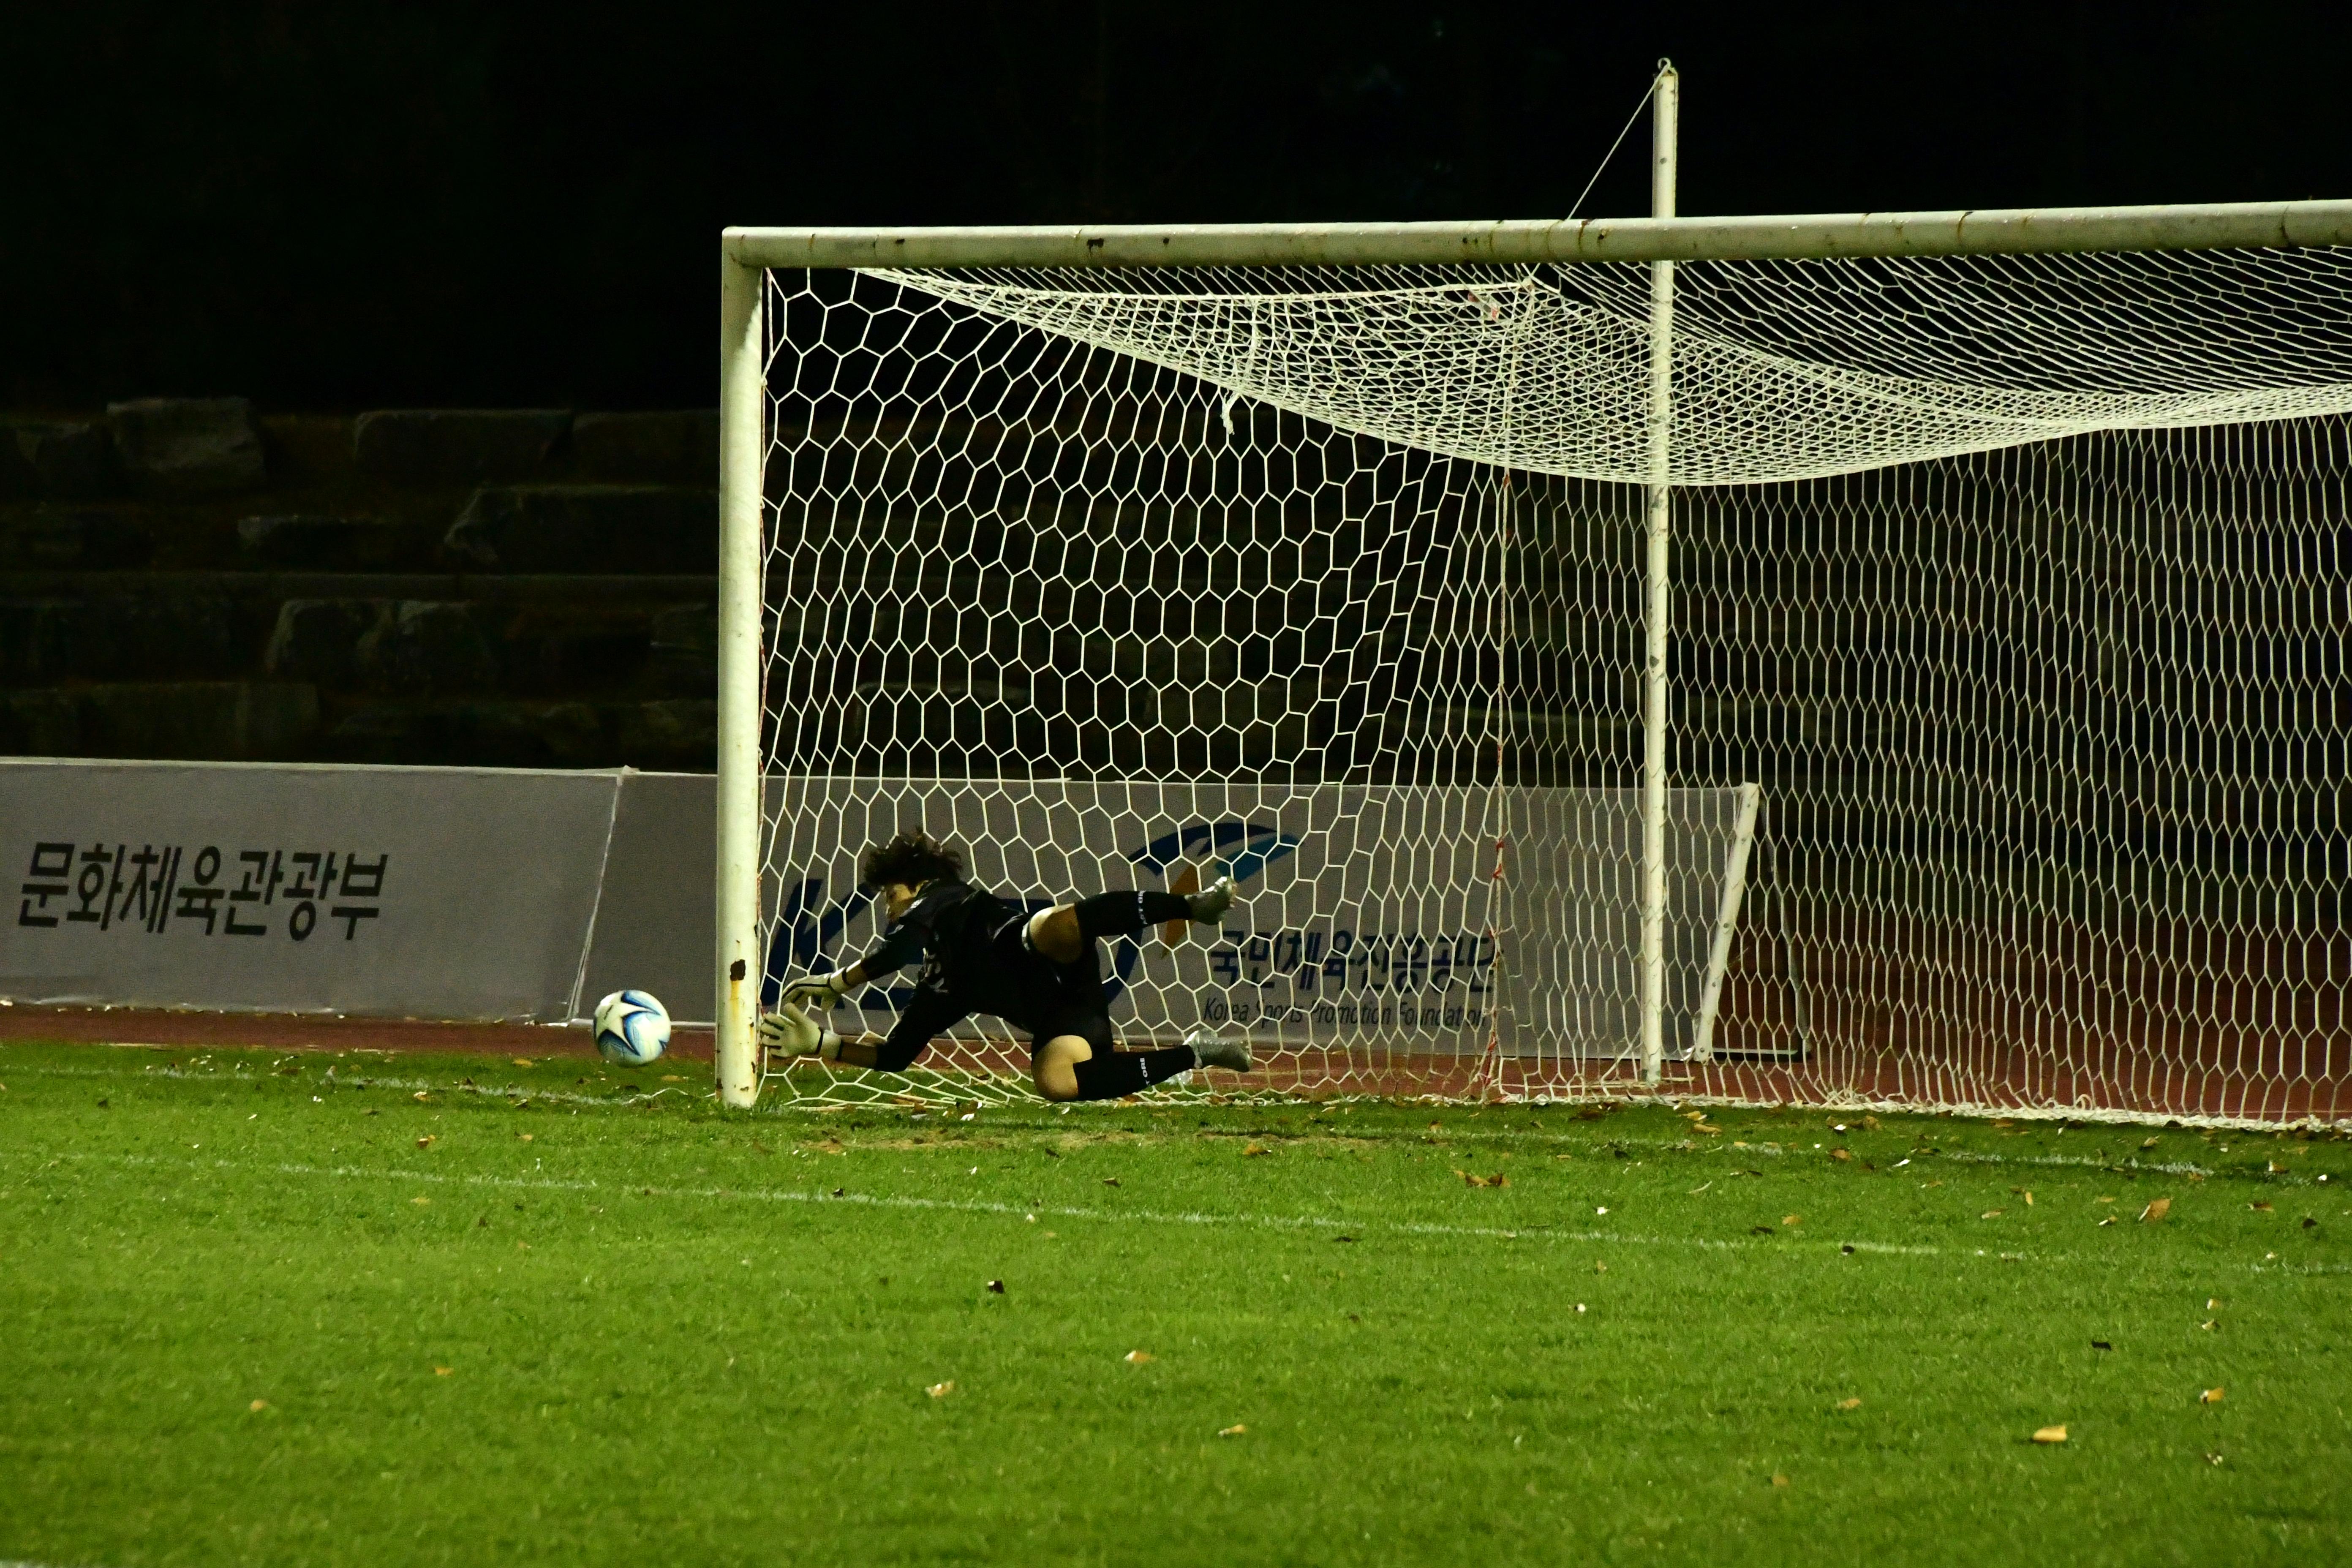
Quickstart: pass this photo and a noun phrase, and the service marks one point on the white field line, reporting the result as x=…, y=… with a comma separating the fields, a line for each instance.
x=1022, y=1211
x=2082, y=1116
x=1774, y=1151
x=1833, y=1105
x=354, y=1086
x=1770, y=1150
x=1146, y=1216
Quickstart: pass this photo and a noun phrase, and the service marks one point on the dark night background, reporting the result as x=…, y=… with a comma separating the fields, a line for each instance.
x=461, y=258
x=389, y=201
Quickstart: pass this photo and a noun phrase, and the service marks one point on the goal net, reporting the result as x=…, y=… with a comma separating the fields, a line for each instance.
x=2006, y=741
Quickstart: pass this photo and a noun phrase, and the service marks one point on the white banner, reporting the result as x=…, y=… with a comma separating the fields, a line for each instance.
x=1424, y=919
x=399, y=892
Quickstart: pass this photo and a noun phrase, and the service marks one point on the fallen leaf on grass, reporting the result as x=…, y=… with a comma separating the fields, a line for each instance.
x=2101, y=1345
x=1599, y=1267
x=2210, y=1396
x=1870, y=1123
x=1778, y=1479
x=426, y=1141
x=2212, y=1459
x=1110, y=1180
x=524, y=1137
x=258, y=1404
x=443, y=1370
x=2148, y=1142
x=1496, y=1180
x=1990, y=1214
x=523, y=1061
x=1137, y=1357
x=1840, y=1154
x=420, y=1094
x=1343, y=1239
x=996, y=1287
x=2109, y=1220
x=1255, y=1149
x=2049, y=1434
x=673, y=1077
x=2309, y=1222
x=1792, y=1219
x=1235, y=1430
x=942, y=1390
x=420, y=1200
x=1854, y=1404
x=1761, y=1230
x=2260, y=1208
x=2156, y=1211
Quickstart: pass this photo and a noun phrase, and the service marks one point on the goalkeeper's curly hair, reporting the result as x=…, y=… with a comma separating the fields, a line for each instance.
x=912, y=856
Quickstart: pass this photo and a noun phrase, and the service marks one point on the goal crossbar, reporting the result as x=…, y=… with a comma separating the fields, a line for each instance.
x=1990, y=232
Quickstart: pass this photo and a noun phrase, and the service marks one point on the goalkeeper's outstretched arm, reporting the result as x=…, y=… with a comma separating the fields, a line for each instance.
x=790, y=1030
x=798, y=1024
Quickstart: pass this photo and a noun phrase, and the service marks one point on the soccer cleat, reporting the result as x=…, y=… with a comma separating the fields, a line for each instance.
x=1212, y=1049
x=1212, y=900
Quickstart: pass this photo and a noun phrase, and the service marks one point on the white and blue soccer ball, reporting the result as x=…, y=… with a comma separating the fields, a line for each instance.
x=632, y=1028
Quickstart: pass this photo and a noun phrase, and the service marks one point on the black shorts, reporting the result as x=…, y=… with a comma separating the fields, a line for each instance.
x=1032, y=993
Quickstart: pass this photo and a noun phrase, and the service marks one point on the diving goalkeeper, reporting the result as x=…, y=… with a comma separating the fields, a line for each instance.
x=1040, y=973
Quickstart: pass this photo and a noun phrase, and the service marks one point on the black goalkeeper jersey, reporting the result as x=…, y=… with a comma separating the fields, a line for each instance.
x=956, y=930
x=975, y=960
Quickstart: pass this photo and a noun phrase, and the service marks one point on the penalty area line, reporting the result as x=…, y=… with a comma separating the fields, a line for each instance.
x=1296, y=1223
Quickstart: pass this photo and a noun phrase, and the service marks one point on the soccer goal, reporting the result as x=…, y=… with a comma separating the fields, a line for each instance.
x=1876, y=660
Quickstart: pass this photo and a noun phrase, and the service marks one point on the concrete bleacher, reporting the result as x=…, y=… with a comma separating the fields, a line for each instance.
x=184, y=578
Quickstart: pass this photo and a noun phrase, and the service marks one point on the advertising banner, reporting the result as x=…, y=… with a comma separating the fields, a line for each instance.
x=1423, y=918
x=400, y=892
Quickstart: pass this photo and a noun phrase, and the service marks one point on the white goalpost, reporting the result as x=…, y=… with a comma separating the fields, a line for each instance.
x=1879, y=659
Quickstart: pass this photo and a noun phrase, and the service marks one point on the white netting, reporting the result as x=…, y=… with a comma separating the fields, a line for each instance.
x=2010, y=598
x=1783, y=370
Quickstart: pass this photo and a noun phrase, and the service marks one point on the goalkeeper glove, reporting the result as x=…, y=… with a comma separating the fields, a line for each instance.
x=822, y=992
x=794, y=1033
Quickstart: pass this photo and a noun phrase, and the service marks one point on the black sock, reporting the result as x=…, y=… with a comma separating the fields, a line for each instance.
x=1121, y=914
x=1108, y=1074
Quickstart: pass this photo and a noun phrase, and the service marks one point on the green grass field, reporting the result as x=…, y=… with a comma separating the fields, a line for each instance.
x=368, y=1310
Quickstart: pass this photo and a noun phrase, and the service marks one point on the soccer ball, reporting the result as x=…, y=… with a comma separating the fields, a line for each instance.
x=632, y=1028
